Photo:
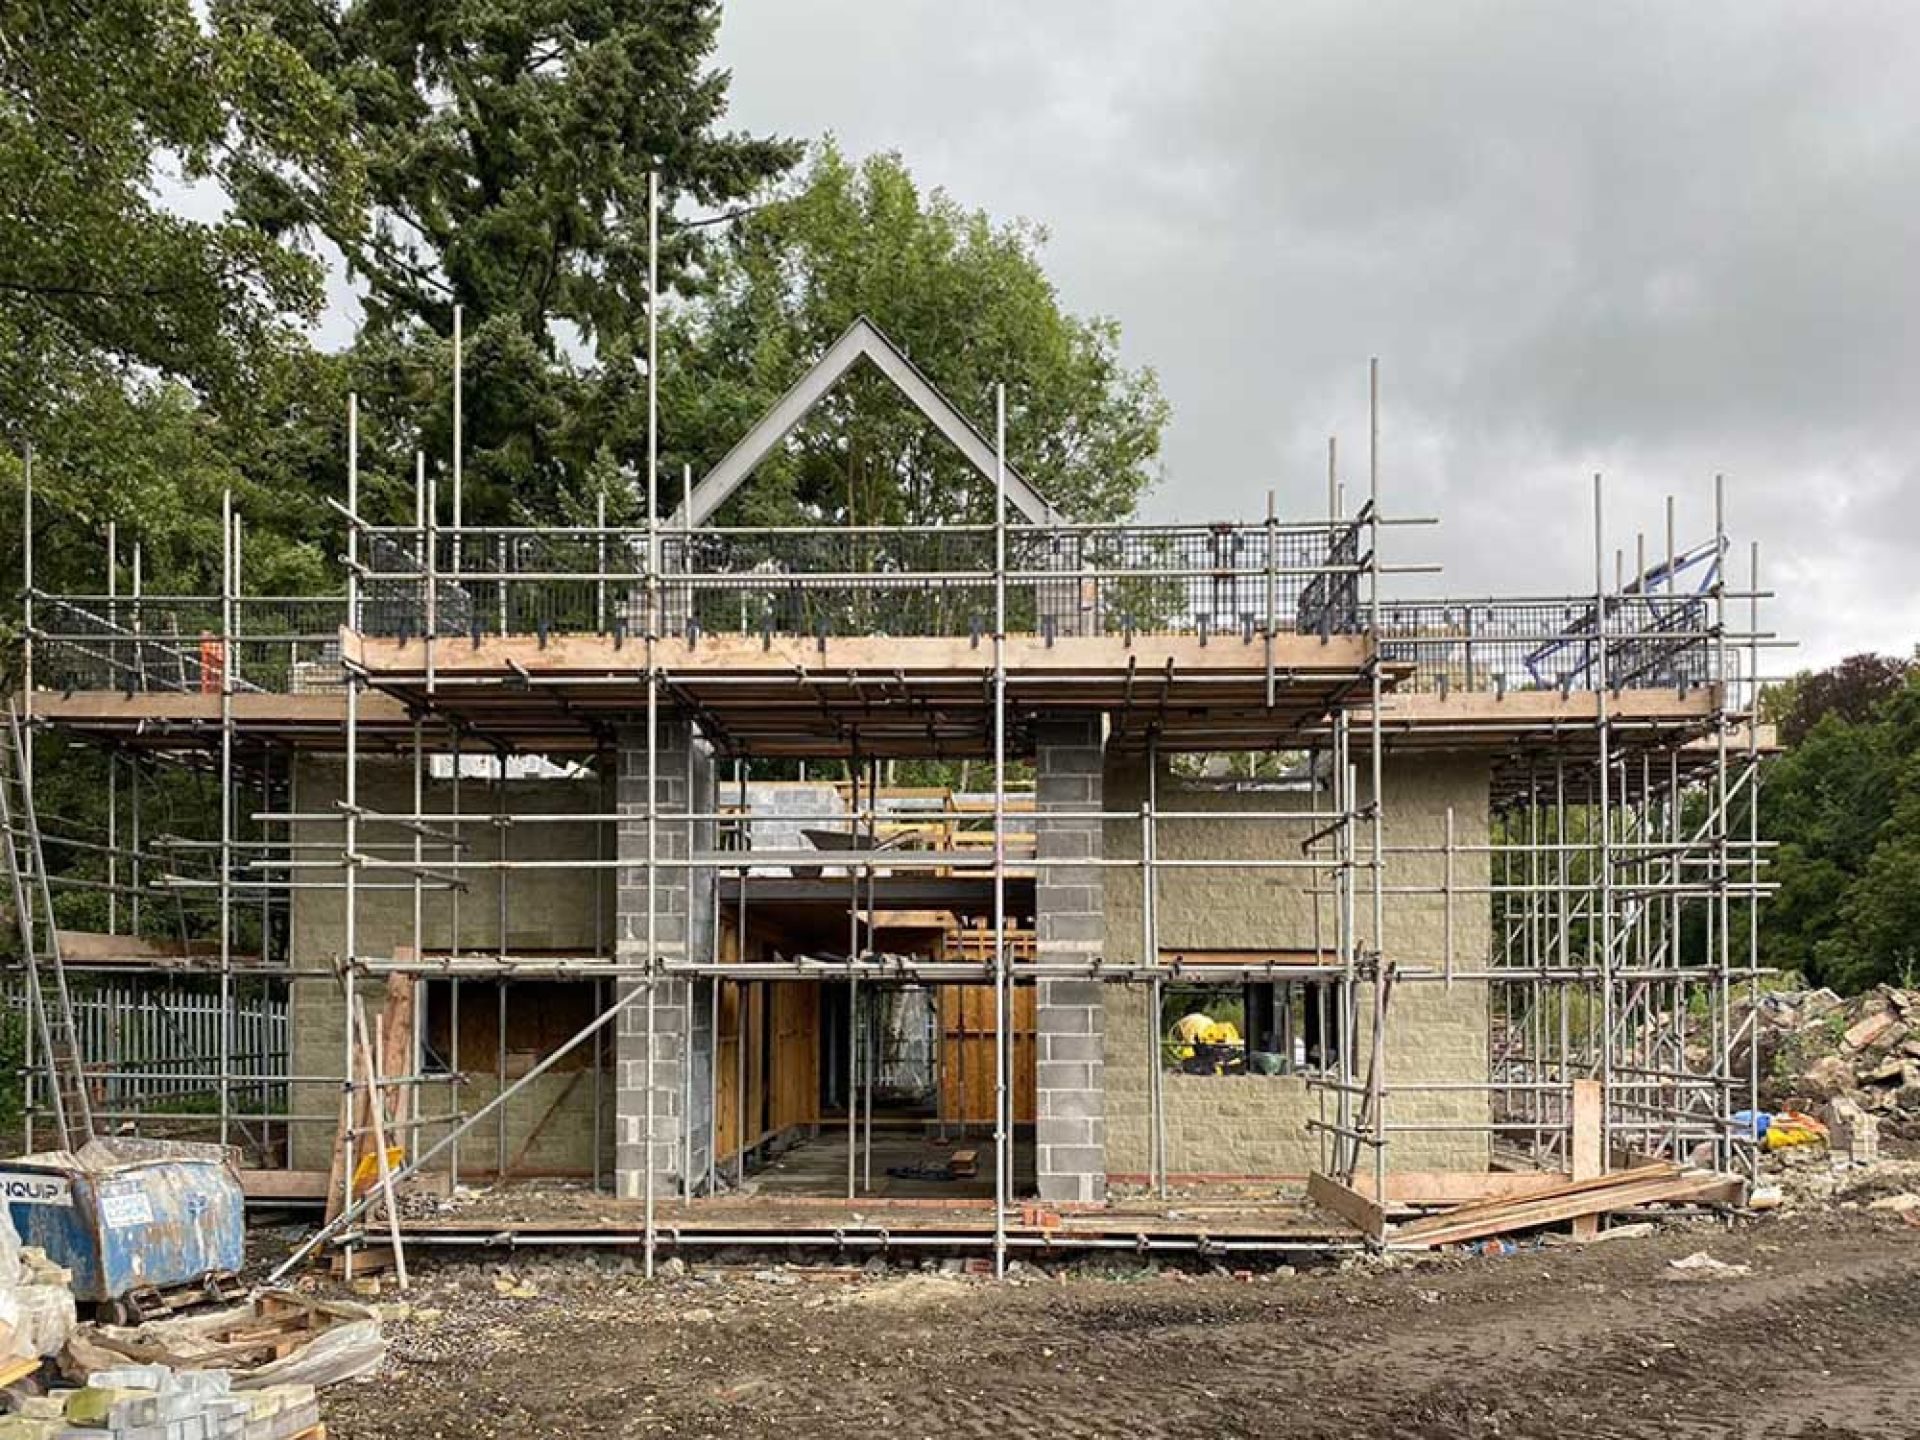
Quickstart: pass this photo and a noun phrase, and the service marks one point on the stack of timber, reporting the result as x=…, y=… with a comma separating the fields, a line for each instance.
x=1578, y=1199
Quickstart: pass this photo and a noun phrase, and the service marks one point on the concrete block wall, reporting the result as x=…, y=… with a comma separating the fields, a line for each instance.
x=679, y=1069
x=1070, y=925
x=782, y=811
x=559, y=908
x=1256, y=1125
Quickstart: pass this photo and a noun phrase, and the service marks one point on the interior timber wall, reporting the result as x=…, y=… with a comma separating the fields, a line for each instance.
x=782, y=1072
x=967, y=1046
x=1256, y=1125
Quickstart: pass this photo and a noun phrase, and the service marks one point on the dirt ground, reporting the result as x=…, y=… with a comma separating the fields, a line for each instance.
x=1814, y=1339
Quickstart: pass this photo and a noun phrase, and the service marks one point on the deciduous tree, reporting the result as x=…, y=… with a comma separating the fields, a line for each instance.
x=967, y=299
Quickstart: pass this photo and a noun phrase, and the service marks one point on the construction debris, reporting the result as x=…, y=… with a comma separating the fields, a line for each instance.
x=278, y=1338
x=1702, y=1266
x=1855, y=1061
x=36, y=1298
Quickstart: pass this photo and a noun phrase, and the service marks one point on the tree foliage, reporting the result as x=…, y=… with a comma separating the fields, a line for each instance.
x=508, y=145
x=1852, y=690
x=99, y=276
x=1843, y=804
x=968, y=300
x=154, y=298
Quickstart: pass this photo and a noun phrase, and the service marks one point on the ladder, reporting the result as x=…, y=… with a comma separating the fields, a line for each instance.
x=56, y=1032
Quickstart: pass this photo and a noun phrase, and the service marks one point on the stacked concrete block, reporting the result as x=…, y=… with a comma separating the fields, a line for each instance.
x=1069, y=926
x=153, y=1402
x=671, y=1057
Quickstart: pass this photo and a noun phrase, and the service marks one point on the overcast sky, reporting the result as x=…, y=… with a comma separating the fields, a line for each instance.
x=1655, y=241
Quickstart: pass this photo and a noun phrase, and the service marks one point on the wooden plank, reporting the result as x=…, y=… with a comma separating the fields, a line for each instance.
x=1463, y=1187
x=367, y=1260
x=1573, y=1187
x=369, y=1057
x=337, y=1163
x=1588, y=1112
x=940, y=920
x=1596, y=1197
x=1714, y=1190
x=94, y=947
x=256, y=709
x=1350, y=1205
x=1544, y=706
x=397, y=1051
x=1545, y=1212
x=1242, y=957
x=284, y=1184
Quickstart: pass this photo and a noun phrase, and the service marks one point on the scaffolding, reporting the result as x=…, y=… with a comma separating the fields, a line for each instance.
x=1619, y=871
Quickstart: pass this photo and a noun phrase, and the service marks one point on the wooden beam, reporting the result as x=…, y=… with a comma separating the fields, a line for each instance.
x=903, y=660
x=250, y=709
x=96, y=947
x=1588, y=1112
x=1533, y=707
x=397, y=1052
x=1189, y=956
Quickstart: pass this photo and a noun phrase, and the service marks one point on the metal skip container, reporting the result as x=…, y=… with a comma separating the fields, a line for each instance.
x=132, y=1218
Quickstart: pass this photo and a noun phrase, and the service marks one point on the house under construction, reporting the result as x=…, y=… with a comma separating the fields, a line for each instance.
x=1258, y=906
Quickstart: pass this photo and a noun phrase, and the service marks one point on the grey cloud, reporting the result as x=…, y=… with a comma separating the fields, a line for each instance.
x=1653, y=240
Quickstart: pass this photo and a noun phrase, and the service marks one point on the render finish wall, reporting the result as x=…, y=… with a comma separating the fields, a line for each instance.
x=1256, y=1125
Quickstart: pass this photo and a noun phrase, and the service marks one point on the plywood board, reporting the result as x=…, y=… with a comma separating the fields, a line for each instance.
x=967, y=1054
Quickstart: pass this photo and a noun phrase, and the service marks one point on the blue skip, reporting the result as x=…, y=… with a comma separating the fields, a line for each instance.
x=132, y=1219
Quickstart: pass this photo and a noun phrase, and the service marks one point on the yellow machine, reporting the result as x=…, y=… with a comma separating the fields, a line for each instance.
x=1207, y=1046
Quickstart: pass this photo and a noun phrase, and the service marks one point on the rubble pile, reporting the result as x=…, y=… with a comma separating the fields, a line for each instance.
x=1843, y=1058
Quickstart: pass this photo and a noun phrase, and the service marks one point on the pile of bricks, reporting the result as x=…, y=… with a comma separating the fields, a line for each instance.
x=152, y=1402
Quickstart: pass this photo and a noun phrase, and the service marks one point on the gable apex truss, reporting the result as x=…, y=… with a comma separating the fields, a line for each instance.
x=862, y=339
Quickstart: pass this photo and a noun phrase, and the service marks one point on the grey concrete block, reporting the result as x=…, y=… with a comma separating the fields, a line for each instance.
x=1088, y=1048
x=1072, y=1160
x=1063, y=1133
x=1069, y=924
x=1066, y=1101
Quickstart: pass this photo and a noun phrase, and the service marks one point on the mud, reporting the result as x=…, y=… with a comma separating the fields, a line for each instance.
x=1606, y=1340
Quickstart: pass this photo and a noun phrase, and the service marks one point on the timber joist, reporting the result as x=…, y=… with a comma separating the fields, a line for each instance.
x=885, y=696
x=911, y=696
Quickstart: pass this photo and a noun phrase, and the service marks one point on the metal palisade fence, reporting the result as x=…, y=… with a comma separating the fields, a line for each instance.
x=151, y=1045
